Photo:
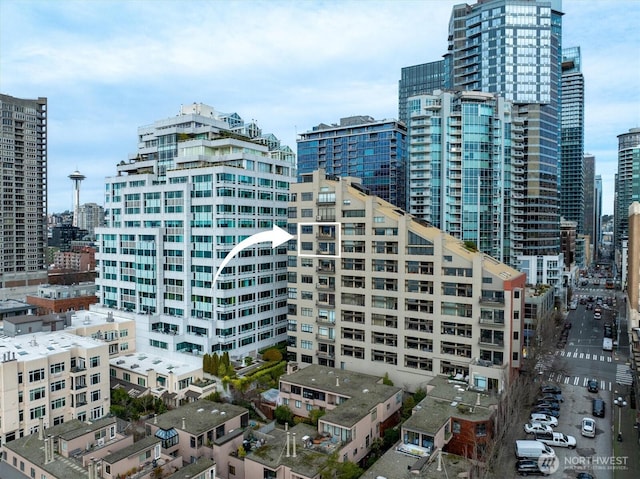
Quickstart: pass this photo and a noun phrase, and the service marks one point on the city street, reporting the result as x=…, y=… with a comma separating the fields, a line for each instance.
x=583, y=358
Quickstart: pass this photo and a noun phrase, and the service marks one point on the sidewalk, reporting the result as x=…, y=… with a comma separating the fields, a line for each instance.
x=629, y=449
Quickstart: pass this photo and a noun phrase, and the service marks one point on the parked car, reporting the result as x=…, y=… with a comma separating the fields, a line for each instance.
x=553, y=397
x=556, y=439
x=536, y=427
x=588, y=428
x=547, y=404
x=550, y=388
x=526, y=467
x=545, y=419
x=549, y=412
x=592, y=386
x=598, y=408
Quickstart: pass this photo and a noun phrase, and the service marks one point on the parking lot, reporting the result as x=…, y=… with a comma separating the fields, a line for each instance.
x=592, y=455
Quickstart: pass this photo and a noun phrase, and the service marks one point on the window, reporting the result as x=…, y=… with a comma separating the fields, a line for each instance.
x=94, y=362
x=56, y=368
x=456, y=427
x=36, y=412
x=58, y=403
x=298, y=404
x=481, y=429
x=36, y=394
x=95, y=378
x=36, y=375
x=95, y=395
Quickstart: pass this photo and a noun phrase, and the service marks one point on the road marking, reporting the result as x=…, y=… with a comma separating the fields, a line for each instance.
x=566, y=380
x=603, y=385
x=587, y=356
x=609, y=359
x=576, y=381
x=585, y=382
x=581, y=355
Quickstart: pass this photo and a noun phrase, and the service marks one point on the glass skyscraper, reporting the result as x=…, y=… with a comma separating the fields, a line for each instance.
x=361, y=147
x=513, y=48
x=627, y=184
x=419, y=80
x=572, y=168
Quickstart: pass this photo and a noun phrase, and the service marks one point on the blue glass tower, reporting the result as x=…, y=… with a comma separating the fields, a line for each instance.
x=372, y=150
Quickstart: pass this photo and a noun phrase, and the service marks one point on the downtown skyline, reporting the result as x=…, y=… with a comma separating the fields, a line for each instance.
x=109, y=67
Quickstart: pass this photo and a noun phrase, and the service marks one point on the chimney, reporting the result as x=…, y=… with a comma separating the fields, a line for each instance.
x=288, y=444
x=51, y=444
x=337, y=381
x=294, y=444
x=92, y=469
x=40, y=428
x=46, y=450
x=439, y=461
x=478, y=400
x=155, y=419
x=184, y=425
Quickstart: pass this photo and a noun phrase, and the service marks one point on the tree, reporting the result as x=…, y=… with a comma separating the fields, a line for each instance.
x=419, y=395
x=334, y=469
x=272, y=355
x=315, y=415
x=283, y=414
x=386, y=380
x=215, y=364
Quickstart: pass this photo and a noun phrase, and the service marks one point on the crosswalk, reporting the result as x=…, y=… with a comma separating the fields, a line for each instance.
x=624, y=375
x=587, y=356
x=579, y=381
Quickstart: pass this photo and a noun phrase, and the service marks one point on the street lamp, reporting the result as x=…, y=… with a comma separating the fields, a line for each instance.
x=620, y=403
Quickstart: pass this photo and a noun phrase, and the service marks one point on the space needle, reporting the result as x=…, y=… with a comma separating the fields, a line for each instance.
x=76, y=177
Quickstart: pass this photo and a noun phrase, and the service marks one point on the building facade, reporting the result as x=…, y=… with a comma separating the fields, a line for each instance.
x=467, y=169
x=420, y=79
x=627, y=183
x=360, y=146
x=61, y=298
x=90, y=217
x=24, y=191
x=54, y=376
x=197, y=187
x=572, y=171
x=589, y=221
x=374, y=290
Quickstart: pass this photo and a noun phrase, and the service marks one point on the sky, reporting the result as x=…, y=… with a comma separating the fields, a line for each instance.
x=108, y=67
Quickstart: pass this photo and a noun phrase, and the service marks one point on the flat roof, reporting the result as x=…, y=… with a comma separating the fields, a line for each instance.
x=272, y=453
x=135, y=448
x=199, y=416
x=14, y=305
x=193, y=469
x=27, y=347
x=396, y=465
x=140, y=362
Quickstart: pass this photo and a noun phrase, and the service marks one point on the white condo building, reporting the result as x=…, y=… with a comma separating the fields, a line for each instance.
x=200, y=183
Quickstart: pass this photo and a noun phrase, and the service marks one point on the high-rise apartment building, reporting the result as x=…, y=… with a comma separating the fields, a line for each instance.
x=467, y=169
x=90, y=217
x=589, y=221
x=360, y=146
x=572, y=174
x=513, y=48
x=597, y=214
x=200, y=183
x=23, y=220
x=374, y=290
x=627, y=183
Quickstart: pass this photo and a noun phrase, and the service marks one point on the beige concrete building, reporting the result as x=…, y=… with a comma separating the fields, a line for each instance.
x=55, y=376
x=374, y=290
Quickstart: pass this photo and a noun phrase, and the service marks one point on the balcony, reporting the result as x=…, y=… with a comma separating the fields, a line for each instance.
x=325, y=354
x=492, y=343
x=325, y=320
x=325, y=287
x=326, y=269
x=492, y=322
x=326, y=339
x=322, y=304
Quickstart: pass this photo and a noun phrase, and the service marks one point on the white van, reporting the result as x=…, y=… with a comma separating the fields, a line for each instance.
x=532, y=449
x=607, y=344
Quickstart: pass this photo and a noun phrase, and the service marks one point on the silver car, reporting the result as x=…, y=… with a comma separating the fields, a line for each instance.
x=588, y=428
